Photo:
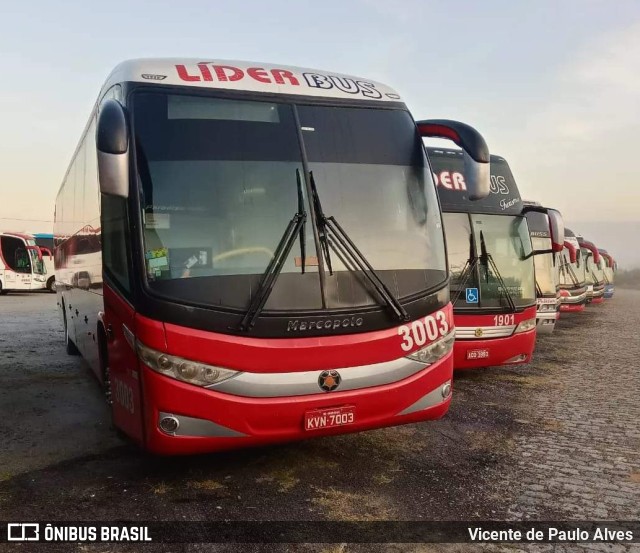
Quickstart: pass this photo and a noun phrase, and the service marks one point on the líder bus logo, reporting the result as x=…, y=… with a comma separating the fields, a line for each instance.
x=329, y=380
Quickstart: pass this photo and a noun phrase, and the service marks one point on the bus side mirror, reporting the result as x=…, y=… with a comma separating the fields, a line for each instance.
x=112, y=142
x=591, y=248
x=556, y=229
x=475, y=152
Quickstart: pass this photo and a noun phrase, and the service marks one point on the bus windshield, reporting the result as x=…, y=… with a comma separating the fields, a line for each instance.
x=595, y=274
x=505, y=239
x=221, y=179
x=37, y=262
x=571, y=275
x=545, y=270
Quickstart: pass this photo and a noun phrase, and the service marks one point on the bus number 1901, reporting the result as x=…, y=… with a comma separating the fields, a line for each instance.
x=504, y=320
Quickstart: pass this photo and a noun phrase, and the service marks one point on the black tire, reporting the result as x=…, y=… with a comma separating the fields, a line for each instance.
x=68, y=342
x=2, y=290
x=51, y=284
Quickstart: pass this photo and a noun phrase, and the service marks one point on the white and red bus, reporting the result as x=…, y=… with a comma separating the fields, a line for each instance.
x=22, y=265
x=572, y=275
x=491, y=262
x=609, y=269
x=44, y=240
x=547, y=285
x=272, y=255
x=594, y=271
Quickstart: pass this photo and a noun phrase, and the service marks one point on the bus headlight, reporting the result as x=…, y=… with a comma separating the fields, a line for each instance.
x=199, y=374
x=524, y=326
x=435, y=351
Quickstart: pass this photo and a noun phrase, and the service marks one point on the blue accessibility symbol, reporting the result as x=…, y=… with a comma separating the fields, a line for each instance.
x=472, y=295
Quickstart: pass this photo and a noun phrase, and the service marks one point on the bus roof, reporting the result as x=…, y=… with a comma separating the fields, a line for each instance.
x=250, y=77
x=448, y=168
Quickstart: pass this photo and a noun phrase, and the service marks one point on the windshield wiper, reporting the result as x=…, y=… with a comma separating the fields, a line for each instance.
x=295, y=228
x=572, y=274
x=467, y=270
x=488, y=262
x=329, y=230
x=538, y=290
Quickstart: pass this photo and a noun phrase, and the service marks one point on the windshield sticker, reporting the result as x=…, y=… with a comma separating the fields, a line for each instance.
x=472, y=295
x=157, y=220
x=157, y=261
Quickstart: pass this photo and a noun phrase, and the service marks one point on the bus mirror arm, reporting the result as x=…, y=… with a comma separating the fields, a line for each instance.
x=475, y=152
x=37, y=250
x=573, y=257
x=112, y=142
x=556, y=225
x=539, y=252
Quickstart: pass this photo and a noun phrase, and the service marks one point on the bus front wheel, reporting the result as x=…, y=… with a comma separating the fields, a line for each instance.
x=51, y=284
x=2, y=290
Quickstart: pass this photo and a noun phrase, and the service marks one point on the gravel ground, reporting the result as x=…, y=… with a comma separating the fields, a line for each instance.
x=556, y=439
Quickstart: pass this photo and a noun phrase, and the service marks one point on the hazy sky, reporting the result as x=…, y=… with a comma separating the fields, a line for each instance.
x=553, y=85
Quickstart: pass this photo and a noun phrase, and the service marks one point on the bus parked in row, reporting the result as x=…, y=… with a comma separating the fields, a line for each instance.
x=547, y=286
x=594, y=271
x=273, y=254
x=572, y=276
x=44, y=240
x=491, y=262
x=22, y=266
x=610, y=267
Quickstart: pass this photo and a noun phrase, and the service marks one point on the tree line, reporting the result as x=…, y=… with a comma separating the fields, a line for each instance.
x=629, y=278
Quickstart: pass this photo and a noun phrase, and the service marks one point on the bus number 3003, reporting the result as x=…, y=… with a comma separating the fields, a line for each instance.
x=418, y=332
x=123, y=394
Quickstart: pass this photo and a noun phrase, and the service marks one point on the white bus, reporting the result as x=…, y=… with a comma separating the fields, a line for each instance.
x=21, y=263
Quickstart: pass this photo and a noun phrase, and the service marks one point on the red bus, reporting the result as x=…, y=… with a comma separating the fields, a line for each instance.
x=271, y=254
x=491, y=262
x=572, y=276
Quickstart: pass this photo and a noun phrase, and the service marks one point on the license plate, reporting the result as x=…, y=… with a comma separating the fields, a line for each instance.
x=477, y=353
x=328, y=418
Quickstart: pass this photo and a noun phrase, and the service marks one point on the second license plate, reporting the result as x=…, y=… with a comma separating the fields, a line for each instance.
x=477, y=353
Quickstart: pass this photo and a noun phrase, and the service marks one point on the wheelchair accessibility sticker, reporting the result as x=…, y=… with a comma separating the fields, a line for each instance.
x=472, y=295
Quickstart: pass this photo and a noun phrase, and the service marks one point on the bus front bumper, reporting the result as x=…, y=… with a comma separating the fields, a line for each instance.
x=212, y=421
x=546, y=321
x=572, y=307
x=511, y=350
